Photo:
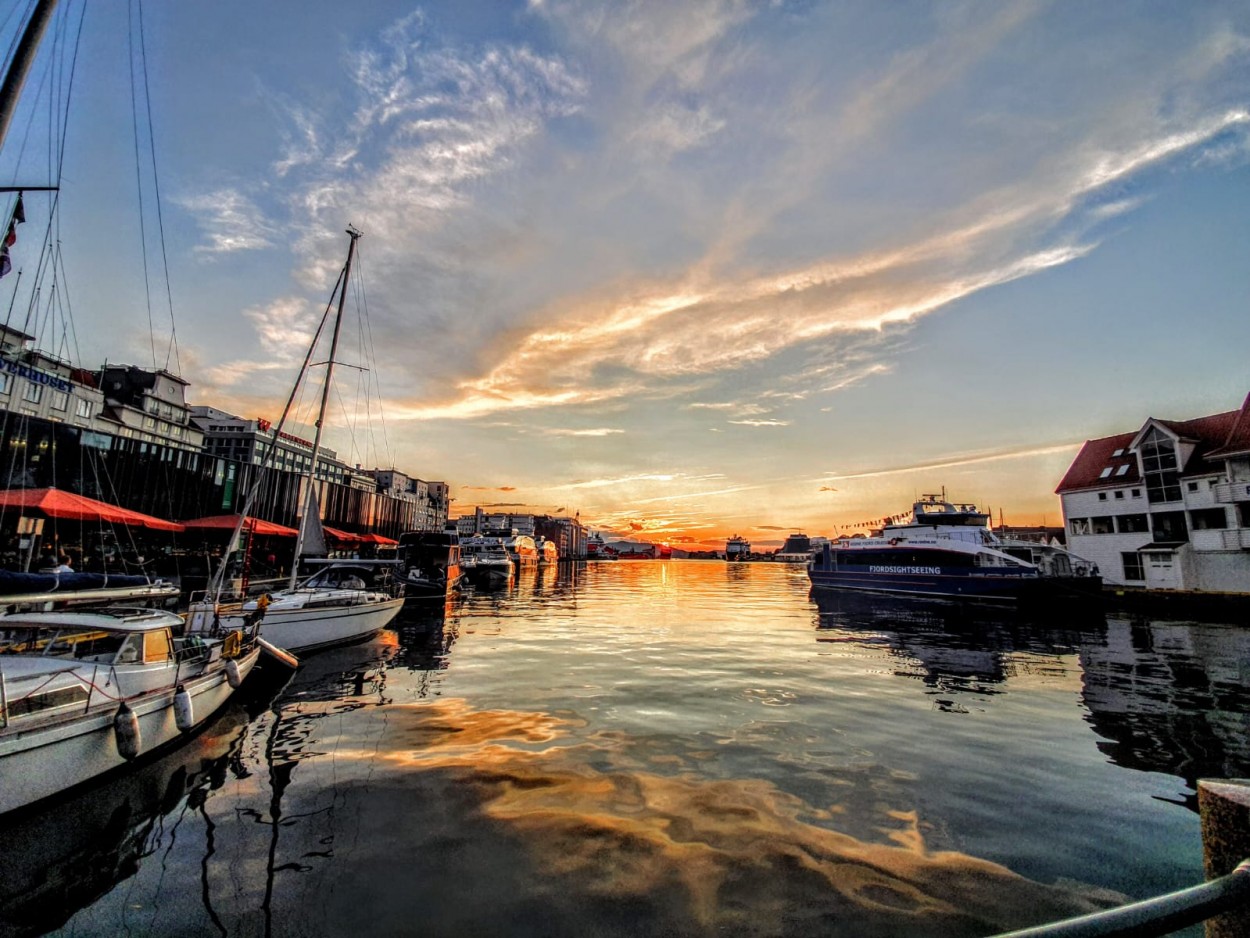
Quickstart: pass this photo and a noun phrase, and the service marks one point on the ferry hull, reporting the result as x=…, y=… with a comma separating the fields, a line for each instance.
x=989, y=586
x=46, y=760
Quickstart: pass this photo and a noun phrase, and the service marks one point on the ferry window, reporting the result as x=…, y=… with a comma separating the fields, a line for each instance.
x=1133, y=524
x=1103, y=524
x=1133, y=569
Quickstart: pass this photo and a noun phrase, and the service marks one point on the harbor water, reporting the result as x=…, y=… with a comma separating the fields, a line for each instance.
x=666, y=748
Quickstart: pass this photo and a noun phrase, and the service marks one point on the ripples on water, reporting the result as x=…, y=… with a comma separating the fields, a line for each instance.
x=667, y=747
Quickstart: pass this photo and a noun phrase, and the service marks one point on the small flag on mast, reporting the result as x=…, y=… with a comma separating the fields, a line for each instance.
x=10, y=238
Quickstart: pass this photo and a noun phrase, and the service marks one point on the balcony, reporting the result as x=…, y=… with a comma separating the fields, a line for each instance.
x=1220, y=539
x=1227, y=493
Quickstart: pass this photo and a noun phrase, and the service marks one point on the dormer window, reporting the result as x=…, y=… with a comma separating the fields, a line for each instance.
x=1105, y=473
x=1119, y=452
x=1123, y=470
x=1159, y=463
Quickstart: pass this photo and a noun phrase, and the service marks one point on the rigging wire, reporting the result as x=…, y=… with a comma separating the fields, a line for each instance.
x=156, y=185
x=134, y=124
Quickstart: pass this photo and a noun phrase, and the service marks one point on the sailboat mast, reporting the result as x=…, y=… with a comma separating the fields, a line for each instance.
x=23, y=57
x=325, y=398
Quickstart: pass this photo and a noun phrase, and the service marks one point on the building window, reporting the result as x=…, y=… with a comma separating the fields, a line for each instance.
x=6, y=382
x=1119, y=494
x=1158, y=454
x=1133, y=524
x=83, y=408
x=1191, y=486
x=1169, y=526
x=32, y=392
x=149, y=423
x=1137, y=493
x=1105, y=473
x=1119, y=452
x=1102, y=496
x=60, y=400
x=1208, y=519
x=1133, y=569
x=1103, y=524
x=1123, y=470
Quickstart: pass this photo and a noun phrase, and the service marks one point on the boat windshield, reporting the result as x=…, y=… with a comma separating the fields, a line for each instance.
x=62, y=642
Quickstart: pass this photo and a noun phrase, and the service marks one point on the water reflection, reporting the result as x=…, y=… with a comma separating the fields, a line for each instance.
x=1170, y=697
x=69, y=851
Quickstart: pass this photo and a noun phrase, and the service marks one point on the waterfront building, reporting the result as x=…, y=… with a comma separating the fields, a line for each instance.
x=148, y=405
x=482, y=523
x=566, y=533
x=1165, y=506
x=34, y=383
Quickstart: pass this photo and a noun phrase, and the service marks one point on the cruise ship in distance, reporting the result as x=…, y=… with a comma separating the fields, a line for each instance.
x=737, y=548
x=597, y=548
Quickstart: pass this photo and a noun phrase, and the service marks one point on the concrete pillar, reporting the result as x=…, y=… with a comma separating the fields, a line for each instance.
x=1224, y=807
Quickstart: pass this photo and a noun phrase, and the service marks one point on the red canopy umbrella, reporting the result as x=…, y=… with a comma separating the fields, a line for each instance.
x=56, y=503
x=345, y=536
x=376, y=539
x=228, y=523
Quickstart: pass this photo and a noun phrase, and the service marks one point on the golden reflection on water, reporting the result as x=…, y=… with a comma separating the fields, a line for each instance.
x=717, y=853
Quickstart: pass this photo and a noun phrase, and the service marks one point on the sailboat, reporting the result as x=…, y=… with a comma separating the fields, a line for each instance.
x=337, y=604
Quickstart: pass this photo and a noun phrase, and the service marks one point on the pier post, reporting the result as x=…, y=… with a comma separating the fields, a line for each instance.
x=1224, y=807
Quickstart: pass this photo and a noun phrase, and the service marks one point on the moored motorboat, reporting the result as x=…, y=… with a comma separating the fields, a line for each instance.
x=48, y=591
x=489, y=564
x=737, y=548
x=947, y=550
x=548, y=552
x=430, y=563
x=82, y=693
x=522, y=549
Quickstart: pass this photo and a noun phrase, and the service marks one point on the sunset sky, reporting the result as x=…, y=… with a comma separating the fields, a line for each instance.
x=687, y=268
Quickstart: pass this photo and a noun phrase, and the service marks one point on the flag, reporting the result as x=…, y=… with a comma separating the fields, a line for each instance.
x=10, y=238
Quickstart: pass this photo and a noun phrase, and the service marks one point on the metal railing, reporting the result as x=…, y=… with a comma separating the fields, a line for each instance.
x=1159, y=916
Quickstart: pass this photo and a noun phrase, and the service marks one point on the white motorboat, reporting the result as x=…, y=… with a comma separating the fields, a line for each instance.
x=82, y=693
x=489, y=563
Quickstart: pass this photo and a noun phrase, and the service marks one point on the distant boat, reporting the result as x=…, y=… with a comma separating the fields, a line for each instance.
x=636, y=552
x=597, y=549
x=947, y=550
x=548, y=552
x=796, y=549
x=486, y=560
x=737, y=548
x=429, y=562
x=86, y=692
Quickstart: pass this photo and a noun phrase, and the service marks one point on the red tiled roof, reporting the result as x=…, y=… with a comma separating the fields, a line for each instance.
x=1238, y=439
x=1094, y=457
x=1213, y=437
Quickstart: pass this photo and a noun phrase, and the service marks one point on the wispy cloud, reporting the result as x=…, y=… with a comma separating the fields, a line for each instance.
x=230, y=220
x=951, y=463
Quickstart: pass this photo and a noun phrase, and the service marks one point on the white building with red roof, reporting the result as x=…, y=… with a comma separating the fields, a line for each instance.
x=1166, y=506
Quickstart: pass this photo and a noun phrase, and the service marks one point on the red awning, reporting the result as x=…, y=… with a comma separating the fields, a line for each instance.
x=228, y=523
x=376, y=539
x=346, y=537
x=56, y=503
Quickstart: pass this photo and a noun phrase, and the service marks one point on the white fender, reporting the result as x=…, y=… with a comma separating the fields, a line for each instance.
x=184, y=714
x=233, y=677
x=126, y=729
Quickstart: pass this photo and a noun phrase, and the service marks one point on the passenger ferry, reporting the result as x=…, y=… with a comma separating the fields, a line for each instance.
x=947, y=550
x=796, y=549
x=737, y=548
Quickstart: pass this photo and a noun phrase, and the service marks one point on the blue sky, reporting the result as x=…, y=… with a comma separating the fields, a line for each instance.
x=690, y=268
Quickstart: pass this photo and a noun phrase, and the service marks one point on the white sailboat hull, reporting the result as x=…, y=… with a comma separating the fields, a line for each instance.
x=308, y=628
x=41, y=761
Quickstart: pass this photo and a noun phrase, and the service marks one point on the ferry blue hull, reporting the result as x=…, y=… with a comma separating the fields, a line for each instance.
x=989, y=585
x=986, y=585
